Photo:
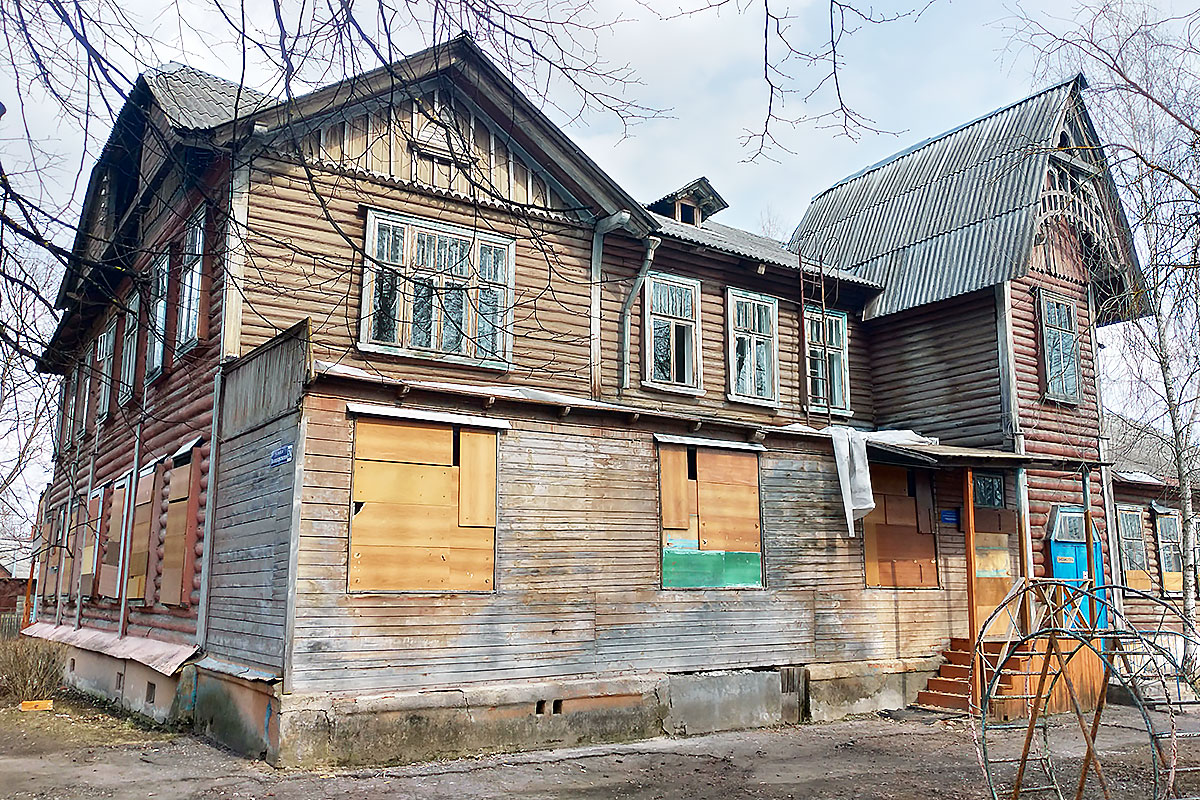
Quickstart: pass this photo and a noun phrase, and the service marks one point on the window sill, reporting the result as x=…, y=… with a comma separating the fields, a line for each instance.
x=771, y=403
x=837, y=412
x=713, y=588
x=434, y=356
x=1061, y=400
x=670, y=388
x=186, y=347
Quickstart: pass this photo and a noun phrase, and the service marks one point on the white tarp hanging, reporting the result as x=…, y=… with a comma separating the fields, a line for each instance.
x=854, y=474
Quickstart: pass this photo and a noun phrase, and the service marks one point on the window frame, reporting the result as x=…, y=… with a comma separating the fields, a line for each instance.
x=106, y=344
x=1003, y=489
x=66, y=411
x=191, y=279
x=156, y=340
x=733, y=296
x=696, y=388
x=1046, y=298
x=129, y=347
x=409, y=272
x=1124, y=510
x=1177, y=543
x=845, y=410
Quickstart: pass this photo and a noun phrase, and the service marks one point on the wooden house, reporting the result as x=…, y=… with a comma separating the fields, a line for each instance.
x=394, y=427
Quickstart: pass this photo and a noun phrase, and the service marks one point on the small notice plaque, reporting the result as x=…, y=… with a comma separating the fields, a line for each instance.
x=281, y=455
x=949, y=516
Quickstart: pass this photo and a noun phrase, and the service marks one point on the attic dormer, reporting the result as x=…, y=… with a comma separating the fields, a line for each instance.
x=692, y=204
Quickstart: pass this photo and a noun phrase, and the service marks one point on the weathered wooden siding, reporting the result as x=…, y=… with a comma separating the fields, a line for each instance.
x=248, y=572
x=305, y=264
x=577, y=571
x=1061, y=430
x=936, y=370
x=717, y=273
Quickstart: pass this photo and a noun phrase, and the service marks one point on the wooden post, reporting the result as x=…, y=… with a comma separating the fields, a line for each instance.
x=1090, y=538
x=972, y=621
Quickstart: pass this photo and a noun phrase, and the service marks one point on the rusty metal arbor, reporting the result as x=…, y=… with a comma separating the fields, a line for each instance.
x=1040, y=699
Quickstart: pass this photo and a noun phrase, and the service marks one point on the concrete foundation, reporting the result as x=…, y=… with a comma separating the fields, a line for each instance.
x=127, y=683
x=240, y=713
x=839, y=690
x=722, y=701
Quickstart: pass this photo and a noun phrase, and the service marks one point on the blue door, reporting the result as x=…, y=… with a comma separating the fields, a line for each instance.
x=1068, y=555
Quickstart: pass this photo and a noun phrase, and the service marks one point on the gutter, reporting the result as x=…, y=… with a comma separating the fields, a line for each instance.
x=603, y=227
x=652, y=243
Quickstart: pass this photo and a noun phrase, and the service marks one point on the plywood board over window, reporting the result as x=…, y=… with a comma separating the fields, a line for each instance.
x=899, y=548
x=148, y=490
x=424, y=508
x=110, y=562
x=91, y=534
x=712, y=534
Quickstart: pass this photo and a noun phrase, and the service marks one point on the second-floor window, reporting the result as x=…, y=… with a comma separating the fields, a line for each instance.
x=104, y=365
x=828, y=361
x=672, y=331
x=67, y=411
x=1060, y=348
x=431, y=289
x=156, y=332
x=190, y=263
x=754, y=346
x=129, y=343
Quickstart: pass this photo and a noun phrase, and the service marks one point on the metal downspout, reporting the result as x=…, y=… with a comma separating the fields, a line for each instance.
x=652, y=243
x=209, y=507
x=603, y=227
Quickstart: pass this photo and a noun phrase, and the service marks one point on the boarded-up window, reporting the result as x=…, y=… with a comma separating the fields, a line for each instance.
x=67, y=568
x=90, y=534
x=424, y=508
x=181, y=520
x=1133, y=548
x=711, y=530
x=898, y=536
x=139, y=588
x=110, y=561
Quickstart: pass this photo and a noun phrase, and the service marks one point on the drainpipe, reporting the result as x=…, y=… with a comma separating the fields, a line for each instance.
x=603, y=226
x=209, y=508
x=652, y=243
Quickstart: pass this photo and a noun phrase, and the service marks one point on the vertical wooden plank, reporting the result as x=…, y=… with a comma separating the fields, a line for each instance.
x=112, y=544
x=673, y=486
x=727, y=500
x=477, y=479
x=972, y=613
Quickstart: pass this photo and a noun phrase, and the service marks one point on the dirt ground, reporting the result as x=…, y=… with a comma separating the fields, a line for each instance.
x=81, y=752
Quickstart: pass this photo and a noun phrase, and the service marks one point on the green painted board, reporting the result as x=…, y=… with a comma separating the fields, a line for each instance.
x=710, y=569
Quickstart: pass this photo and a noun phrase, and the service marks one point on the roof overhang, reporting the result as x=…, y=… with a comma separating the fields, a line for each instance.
x=163, y=657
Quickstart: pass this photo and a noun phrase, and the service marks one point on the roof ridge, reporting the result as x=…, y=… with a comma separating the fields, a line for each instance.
x=1078, y=77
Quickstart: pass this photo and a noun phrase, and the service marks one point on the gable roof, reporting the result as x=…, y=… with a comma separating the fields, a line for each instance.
x=700, y=191
x=947, y=216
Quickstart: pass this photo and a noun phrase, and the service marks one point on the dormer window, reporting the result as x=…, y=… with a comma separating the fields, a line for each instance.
x=687, y=213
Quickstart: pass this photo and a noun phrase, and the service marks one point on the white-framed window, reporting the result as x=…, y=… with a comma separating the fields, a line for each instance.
x=129, y=346
x=1060, y=348
x=83, y=385
x=753, y=346
x=1134, y=561
x=827, y=360
x=104, y=365
x=191, y=261
x=672, y=333
x=156, y=328
x=436, y=290
x=1170, y=551
x=66, y=412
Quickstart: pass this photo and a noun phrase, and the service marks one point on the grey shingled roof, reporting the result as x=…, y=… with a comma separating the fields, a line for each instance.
x=195, y=100
x=744, y=244
x=948, y=216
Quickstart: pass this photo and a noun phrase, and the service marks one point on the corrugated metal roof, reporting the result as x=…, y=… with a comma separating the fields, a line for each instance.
x=195, y=100
x=948, y=216
x=744, y=244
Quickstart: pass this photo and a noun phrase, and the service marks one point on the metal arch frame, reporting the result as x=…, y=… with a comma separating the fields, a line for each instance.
x=1061, y=607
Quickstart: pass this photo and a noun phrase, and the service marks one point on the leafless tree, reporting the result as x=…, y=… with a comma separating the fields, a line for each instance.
x=1143, y=69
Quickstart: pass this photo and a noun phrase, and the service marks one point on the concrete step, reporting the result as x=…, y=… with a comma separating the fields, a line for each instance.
x=954, y=702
